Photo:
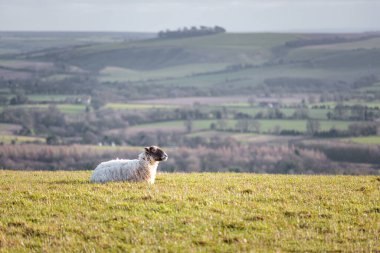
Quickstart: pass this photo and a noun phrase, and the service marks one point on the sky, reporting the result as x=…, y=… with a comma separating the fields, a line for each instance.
x=156, y=15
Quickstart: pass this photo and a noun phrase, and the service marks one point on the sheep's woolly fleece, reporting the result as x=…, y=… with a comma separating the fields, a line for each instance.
x=142, y=169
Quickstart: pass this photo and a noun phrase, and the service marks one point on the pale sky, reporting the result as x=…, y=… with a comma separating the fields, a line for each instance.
x=155, y=15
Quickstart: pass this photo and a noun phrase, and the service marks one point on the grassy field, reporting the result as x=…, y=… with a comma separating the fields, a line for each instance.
x=8, y=128
x=13, y=42
x=62, y=211
x=288, y=112
x=266, y=125
x=372, y=104
x=50, y=98
x=7, y=139
x=365, y=140
x=64, y=108
x=113, y=74
x=135, y=106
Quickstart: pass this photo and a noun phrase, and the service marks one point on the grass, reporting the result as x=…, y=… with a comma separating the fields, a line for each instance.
x=62, y=211
x=365, y=139
x=154, y=54
x=233, y=41
x=37, y=42
x=266, y=125
x=372, y=104
x=254, y=77
x=6, y=128
x=288, y=112
x=26, y=65
x=113, y=74
x=7, y=139
x=50, y=98
x=135, y=106
x=314, y=52
x=71, y=109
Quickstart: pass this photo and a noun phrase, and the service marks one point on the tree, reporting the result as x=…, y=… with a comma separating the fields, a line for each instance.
x=3, y=100
x=242, y=125
x=251, y=101
x=190, y=32
x=97, y=103
x=53, y=140
x=247, y=125
x=359, y=112
x=222, y=124
x=254, y=125
x=189, y=125
x=301, y=113
x=20, y=98
x=339, y=111
x=312, y=126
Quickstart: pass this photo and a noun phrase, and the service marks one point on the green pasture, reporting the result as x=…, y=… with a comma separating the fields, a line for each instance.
x=17, y=139
x=136, y=106
x=224, y=41
x=265, y=125
x=363, y=44
x=26, y=65
x=254, y=77
x=314, y=52
x=156, y=54
x=117, y=74
x=37, y=42
x=50, y=98
x=370, y=104
x=365, y=139
x=288, y=112
x=71, y=109
x=211, y=212
x=374, y=88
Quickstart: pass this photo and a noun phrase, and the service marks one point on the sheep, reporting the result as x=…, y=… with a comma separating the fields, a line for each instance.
x=143, y=169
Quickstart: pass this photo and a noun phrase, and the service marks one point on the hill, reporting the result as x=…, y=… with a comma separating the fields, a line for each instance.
x=208, y=63
x=223, y=93
x=62, y=211
x=162, y=53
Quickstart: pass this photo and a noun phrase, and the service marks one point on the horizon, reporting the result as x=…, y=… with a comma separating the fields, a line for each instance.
x=227, y=32
x=238, y=16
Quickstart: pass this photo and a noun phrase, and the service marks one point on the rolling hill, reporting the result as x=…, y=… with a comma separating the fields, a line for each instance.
x=246, y=61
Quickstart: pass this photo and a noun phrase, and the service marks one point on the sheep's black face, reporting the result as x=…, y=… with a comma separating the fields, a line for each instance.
x=156, y=153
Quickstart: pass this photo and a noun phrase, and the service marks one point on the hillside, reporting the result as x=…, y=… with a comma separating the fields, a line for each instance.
x=217, y=94
x=162, y=53
x=62, y=211
x=206, y=61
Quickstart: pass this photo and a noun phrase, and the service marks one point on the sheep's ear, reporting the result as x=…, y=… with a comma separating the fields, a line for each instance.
x=147, y=149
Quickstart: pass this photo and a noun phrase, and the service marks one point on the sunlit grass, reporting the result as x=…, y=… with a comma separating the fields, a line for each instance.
x=365, y=139
x=135, y=106
x=7, y=139
x=62, y=211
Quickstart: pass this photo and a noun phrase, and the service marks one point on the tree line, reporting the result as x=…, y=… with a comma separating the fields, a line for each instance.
x=191, y=32
x=232, y=156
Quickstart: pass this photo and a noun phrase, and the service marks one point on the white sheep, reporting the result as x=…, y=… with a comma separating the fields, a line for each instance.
x=143, y=169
